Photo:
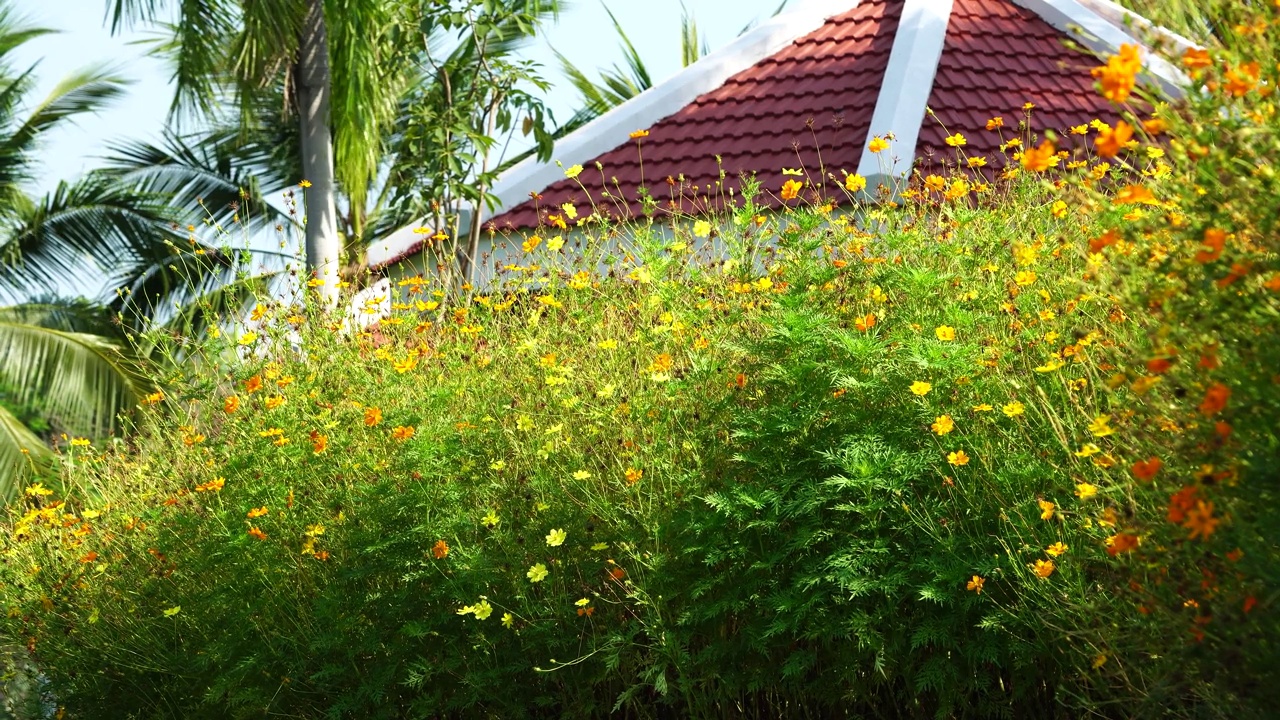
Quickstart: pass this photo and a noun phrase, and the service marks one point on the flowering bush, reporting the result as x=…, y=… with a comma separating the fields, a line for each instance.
x=1014, y=453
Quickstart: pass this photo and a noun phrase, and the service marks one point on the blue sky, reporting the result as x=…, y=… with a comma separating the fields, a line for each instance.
x=584, y=34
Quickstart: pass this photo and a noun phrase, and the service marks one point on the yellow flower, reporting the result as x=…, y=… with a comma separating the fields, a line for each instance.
x=573, y=172
x=600, y=546
x=956, y=140
x=583, y=602
x=274, y=401
x=537, y=573
x=791, y=190
x=556, y=537
x=530, y=244
x=408, y=363
x=921, y=388
x=1084, y=491
x=257, y=512
x=1046, y=509
x=1088, y=450
x=248, y=338
x=702, y=229
x=570, y=211
x=491, y=519
x=80, y=442
x=855, y=183
x=945, y=333
x=637, y=134
x=1056, y=549
x=508, y=620
x=1013, y=409
x=304, y=184
x=582, y=475
x=984, y=407
x=1044, y=568
x=877, y=144
x=943, y=424
x=607, y=344
x=1100, y=426
x=555, y=243
x=958, y=458
x=1025, y=277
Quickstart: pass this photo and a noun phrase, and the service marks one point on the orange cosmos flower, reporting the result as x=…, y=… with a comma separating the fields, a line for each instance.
x=1215, y=240
x=253, y=384
x=1117, y=77
x=1111, y=141
x=633, y=475
x=866, y=322
x=402, y=432
x=791, y=190
x=1200, y=520
x=1041, y=158
x=440, y=549
x=257, y=512
x=1196, y=59
x=958, y=458
x=319, y=442
x=256, y=533
x=1135, y=194
x=1121, y=543
x=976, y=584
x=372, y=416
x=1215, y=399
x=1044, y=568
x=231, y=404
x=1145, y=470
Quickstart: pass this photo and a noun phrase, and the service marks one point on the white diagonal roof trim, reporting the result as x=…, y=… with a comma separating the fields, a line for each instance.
x=905, y=90
x=1103, y=37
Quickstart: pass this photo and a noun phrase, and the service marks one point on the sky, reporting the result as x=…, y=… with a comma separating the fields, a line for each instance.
x=584, y=34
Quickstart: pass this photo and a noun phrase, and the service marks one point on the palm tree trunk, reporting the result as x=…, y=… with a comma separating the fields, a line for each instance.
x=323, y=247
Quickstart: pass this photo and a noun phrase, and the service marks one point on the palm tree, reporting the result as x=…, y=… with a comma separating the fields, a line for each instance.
x=335, y=65
x=254, y=151
x=64, y=359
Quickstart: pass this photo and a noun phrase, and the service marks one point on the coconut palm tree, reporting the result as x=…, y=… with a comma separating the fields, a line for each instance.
x=253, y=152
x=64, y=360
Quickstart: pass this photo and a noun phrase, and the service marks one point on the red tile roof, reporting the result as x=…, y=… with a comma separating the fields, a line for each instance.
x=758, y=121
x=998, y=56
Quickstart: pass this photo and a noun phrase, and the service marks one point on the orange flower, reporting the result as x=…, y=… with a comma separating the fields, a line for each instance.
x=440, y=549
x=1196, y=59
x=1135, y=194
x=256, y=533
x=1215, y=399
x=1044, y=568
x=617, y=573
x=1121, y=543
x=1110, y=141
x=402, y=432
x=1179, y=503
x=1200, y=520
x=1215, y=240
x=975, y=585
x=372, y=416
x=1041, y=158
x=995, y=122
x=257, y=512
x=231, y=404
x=1145, y=470
x=1159, y=365
x=865, y=322
x=1243, y=79
x=633, y=475
x=1117, y=77
x=1107, y=239
x=319, y=442
x=791, y=190
x=253, y=384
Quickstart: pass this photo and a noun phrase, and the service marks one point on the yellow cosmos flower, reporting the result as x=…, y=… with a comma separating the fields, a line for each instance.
x=945, y=333
x=537, y=573
x=1056, y=549
x=958, y=458
x=1046, y=509
x=573, y=171
x=1013, y=409
x=943, y=424
x=920, y=388
x=1100, y=426
x=556, y=537
x=1084, y=491
x=877, y=144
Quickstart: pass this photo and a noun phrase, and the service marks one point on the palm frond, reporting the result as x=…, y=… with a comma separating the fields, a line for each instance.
x=82, y=381
x=88, y=224
x=22, y=452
